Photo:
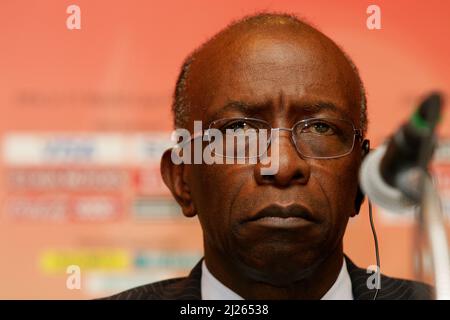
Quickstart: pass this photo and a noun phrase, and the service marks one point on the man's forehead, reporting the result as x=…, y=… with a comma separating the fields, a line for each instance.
x=256, y=66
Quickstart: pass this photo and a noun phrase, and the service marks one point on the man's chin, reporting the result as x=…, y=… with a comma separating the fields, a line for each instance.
x=279, y=270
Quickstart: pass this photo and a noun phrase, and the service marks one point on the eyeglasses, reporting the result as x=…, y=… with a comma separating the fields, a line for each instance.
x=317, y=138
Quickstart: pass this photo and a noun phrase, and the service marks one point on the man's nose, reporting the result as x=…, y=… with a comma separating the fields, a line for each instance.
x=292, y=168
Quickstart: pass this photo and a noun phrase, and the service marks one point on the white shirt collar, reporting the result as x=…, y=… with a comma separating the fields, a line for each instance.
x=213, y=289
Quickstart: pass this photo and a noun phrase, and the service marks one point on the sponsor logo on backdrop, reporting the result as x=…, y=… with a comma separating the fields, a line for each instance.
x=100, y=272
x=84, y=177
x=166, y=259
x=149, y=266
x=56, y=261
x=66, y=179
x=156, y=208
x=33, y=148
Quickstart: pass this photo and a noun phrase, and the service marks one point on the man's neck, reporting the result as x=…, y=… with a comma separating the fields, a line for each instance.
x=312, y=287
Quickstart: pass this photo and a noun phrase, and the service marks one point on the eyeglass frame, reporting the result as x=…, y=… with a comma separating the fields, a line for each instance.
x=356, y=133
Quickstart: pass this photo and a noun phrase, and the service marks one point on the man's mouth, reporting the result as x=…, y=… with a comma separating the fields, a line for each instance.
x=280, y=216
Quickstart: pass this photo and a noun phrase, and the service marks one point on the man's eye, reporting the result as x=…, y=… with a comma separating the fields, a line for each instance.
x=236, y=125
x=321, y=128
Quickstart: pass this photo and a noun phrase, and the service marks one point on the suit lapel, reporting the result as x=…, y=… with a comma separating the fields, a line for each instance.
x=188, y=288
x=359, y=278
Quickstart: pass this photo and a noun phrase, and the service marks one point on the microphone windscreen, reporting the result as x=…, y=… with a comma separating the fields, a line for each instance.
x=376, y=189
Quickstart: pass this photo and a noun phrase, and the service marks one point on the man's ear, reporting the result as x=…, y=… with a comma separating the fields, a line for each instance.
x=174, y=176
x=359, y=193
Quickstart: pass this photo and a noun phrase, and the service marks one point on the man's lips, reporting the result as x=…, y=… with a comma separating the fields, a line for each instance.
x=279, y=216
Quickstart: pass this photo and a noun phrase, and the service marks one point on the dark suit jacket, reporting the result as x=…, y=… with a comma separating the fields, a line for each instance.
x=188, y=288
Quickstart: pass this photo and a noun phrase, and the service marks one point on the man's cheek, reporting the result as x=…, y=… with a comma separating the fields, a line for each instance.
x=339, y=188
x=213, y=186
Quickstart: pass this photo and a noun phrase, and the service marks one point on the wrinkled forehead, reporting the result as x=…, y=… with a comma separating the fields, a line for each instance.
x=262, y=67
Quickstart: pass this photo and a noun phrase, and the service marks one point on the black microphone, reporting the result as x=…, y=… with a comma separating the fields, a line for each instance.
x=391, y=175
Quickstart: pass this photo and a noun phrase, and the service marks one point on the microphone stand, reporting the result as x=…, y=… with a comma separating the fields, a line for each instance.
x=403, y=180
x=431, y=230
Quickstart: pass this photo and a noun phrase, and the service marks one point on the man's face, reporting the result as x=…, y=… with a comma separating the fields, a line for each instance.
x=281, y=79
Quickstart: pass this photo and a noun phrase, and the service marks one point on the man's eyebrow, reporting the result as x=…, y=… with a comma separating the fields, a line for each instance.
x=305, y=109
x=238, y=106
x=317, y=107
